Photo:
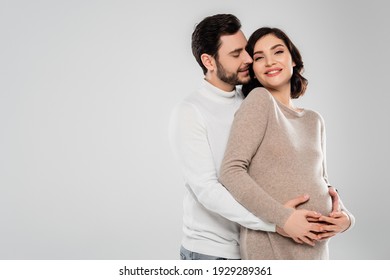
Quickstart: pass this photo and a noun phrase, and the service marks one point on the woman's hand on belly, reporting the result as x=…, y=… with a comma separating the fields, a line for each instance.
x=335, y=199
x=293, y=203
x=300, y=229
x=298, y=226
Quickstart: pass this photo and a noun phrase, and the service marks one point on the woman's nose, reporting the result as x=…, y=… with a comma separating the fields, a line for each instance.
x=269, y=61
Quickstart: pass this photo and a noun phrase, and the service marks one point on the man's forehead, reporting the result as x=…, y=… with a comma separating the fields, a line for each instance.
x=233, y=42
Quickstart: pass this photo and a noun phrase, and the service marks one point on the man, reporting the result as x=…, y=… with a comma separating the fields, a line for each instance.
x=199, y=131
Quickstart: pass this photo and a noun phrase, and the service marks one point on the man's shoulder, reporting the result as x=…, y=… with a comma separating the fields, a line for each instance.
x=192, y=98
x=191, y=101
x=187, y=107
x=196, y=100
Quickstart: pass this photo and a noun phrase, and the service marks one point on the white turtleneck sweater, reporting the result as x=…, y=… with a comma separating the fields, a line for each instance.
x=199, y=131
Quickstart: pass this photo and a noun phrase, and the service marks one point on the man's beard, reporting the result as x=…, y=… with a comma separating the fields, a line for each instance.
x=231, y=79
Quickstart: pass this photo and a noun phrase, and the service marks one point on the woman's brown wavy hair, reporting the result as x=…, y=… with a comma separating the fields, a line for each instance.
x=298, y=82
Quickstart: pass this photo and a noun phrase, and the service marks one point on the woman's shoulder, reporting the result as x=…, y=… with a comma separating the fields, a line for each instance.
x=260, y=92
x=315, y=115
x=259, y=96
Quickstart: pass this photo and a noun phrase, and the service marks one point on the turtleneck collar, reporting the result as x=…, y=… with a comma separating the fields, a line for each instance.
x=218, y=94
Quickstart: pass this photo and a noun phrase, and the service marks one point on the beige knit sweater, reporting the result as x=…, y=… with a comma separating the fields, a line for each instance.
x=275, y=154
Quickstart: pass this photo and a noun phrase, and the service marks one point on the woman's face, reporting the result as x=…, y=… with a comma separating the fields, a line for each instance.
x=272, y=63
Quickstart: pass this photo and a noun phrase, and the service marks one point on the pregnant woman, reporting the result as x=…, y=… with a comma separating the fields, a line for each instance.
x=277, y=151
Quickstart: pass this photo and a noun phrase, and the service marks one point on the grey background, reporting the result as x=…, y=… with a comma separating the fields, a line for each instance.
x=86, y=90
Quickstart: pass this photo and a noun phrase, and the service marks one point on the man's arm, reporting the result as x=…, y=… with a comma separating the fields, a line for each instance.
x=188, y=137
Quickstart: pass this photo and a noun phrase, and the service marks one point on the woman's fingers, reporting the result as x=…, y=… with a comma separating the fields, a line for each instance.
x=326, y=235
x=312, y=214
x=307, y=241
x=293, y=203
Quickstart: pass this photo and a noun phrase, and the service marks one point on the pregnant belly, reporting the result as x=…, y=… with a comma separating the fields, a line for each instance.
x=320, y=200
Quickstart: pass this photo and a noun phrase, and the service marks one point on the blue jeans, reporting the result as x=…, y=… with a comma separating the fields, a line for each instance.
x=189, y=255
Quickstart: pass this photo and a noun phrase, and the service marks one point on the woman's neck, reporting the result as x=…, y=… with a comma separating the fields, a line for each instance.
x=284, y=97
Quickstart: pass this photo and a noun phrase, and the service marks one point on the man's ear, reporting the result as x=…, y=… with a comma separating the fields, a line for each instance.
x=208, y=61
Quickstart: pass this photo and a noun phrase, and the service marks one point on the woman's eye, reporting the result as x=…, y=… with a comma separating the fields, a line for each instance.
x=279, y=52
x=258, y=58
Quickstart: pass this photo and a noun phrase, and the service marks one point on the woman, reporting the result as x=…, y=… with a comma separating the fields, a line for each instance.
x=276, y=151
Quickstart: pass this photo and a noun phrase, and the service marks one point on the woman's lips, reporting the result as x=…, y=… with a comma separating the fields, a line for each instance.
x=273, y=72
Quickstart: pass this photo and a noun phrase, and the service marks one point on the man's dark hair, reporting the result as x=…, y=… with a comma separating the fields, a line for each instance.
x=207, y=34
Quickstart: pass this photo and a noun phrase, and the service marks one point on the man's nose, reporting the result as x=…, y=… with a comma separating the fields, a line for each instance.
x=247, y=58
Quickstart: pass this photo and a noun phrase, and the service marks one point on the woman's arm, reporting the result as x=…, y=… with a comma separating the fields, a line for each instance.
x=340, y=219
x=247, y=132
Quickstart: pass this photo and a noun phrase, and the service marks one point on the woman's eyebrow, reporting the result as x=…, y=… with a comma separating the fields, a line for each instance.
x=272, y=48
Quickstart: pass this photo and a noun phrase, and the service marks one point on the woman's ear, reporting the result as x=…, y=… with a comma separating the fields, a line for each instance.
x=208, y=61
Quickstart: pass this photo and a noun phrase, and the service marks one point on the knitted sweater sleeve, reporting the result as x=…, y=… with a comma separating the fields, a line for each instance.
x=248, y=129
x=189, y=142
x=325, y=173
